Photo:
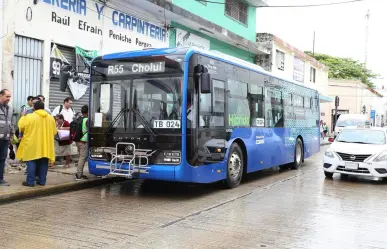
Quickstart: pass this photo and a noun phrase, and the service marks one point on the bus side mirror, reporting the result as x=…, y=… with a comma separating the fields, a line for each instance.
x=205, y=82
x=64, y=77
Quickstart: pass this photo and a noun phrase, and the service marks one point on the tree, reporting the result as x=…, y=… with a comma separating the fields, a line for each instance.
x=345, y=68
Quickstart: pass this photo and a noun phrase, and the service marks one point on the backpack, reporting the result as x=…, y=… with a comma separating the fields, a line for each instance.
x=61, y=108
x=76, y=133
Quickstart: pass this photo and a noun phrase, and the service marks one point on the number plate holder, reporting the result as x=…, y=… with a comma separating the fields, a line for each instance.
x=352, y=166
x=166, y=124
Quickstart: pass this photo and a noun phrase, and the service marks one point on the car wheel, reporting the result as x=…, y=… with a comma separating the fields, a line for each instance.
x=298, y=154
x=235, y=165
x=328, y=175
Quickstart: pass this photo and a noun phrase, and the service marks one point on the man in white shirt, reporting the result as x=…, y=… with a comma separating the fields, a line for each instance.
x=66, y=110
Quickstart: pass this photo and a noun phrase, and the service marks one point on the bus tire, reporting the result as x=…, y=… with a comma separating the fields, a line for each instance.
x=235, y=163
x=298, y=154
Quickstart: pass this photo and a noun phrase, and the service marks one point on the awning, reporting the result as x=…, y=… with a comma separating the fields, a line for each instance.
x=325, y=99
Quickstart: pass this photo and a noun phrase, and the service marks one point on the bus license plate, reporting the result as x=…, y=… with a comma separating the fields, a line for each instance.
x=166, y=124
x=352, y=166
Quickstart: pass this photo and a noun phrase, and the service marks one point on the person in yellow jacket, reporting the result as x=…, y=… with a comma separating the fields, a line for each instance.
x=37, y=145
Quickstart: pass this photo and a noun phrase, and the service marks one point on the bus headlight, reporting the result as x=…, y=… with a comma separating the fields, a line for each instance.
x=168, y=157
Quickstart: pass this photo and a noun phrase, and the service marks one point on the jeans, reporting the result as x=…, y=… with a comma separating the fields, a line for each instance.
x=37, y=167
x=3, y=156
x=82, y=151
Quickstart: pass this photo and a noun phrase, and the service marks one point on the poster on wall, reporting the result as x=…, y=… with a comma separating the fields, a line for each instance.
x=57, y=60
x=299, y=69
x=81, y=80
x=187, y=39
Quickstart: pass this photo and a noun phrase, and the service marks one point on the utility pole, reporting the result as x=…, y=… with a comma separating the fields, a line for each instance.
x=314, y=40
x=367, y=17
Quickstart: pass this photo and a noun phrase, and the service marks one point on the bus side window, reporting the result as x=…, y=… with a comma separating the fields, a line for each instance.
x=256, y=105
x=274, y=107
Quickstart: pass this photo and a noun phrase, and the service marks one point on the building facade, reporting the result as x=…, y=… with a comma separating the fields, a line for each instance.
x=34, y=31
x=353, y=97
x=291, y=63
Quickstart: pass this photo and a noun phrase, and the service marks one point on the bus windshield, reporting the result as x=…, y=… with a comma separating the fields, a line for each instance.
x=150, y=101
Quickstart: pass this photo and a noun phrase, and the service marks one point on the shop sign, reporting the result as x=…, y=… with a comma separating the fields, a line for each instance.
x=298, y=70
x=93, y=24
x=187, y=39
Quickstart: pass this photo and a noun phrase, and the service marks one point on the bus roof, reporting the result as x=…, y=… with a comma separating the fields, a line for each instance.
x=189, y=51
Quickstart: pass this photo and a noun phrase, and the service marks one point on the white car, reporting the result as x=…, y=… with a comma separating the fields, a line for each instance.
x=350, y=121
x=358, y=152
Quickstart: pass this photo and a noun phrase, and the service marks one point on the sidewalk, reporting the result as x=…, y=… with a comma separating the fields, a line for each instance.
x=324, y=142
x=59, y=179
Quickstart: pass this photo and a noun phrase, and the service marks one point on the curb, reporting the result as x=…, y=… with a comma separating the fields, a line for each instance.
x=39, y=191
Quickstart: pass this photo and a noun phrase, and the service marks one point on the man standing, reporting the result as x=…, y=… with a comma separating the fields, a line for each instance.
x=66, y=110
x=39, y=129
x=43, y=99
x=81, y=140
x=6, y=131
x=27, y=106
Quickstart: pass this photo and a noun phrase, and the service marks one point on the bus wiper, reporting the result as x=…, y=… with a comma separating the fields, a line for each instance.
x=144, y=122
x=118, y=117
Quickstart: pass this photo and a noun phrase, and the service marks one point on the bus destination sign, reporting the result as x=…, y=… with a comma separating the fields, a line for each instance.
x=128, y=68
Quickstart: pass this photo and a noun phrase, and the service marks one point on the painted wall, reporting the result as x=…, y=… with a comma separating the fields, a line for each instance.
x=321, y=82
x=214, y=44
x=91, y=26
x=216, y=13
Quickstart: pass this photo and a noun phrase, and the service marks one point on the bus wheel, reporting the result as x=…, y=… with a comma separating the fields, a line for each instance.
x=234, y=166
x=298, y=154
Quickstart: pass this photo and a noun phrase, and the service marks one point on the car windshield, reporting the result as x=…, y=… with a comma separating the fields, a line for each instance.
x=350, y=122
x=362, y=136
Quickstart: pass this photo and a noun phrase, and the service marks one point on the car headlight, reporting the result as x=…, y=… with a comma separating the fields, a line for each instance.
x=382, y=157
x=329, y=153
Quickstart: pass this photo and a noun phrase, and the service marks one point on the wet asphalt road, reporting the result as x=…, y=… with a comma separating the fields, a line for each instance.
x=286, y=209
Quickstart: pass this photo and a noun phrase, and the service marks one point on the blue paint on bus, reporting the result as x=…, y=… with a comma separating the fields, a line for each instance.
x=276, y=146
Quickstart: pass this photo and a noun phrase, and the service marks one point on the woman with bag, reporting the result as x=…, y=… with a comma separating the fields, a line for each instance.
x=62, y=139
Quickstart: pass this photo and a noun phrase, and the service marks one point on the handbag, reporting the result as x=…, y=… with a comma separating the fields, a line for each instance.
x=62, y=135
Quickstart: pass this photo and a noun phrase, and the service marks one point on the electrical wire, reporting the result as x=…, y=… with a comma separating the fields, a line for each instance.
x=289, y=6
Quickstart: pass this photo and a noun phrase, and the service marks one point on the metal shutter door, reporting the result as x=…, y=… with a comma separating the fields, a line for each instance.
x=27, y=70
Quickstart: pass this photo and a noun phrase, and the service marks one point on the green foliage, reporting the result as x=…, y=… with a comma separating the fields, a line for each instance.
x=345, y=68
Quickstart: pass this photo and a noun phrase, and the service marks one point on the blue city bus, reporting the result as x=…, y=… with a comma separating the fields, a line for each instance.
x=190, y=115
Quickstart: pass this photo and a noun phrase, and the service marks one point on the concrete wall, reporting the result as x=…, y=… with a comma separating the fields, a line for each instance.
x=216, y=13
x=288, y=72
x=42, y=25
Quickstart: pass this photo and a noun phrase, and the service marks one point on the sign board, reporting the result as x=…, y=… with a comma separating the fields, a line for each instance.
x=339, y=112
x=298, y=70
x=372, y=114
x=187, y=39
x=91, y=25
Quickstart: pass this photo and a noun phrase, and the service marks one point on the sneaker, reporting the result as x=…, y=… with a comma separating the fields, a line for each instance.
x=4, y=183
x=83, y=177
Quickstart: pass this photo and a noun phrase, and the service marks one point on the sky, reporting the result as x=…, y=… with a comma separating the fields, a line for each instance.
x=340, y=29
